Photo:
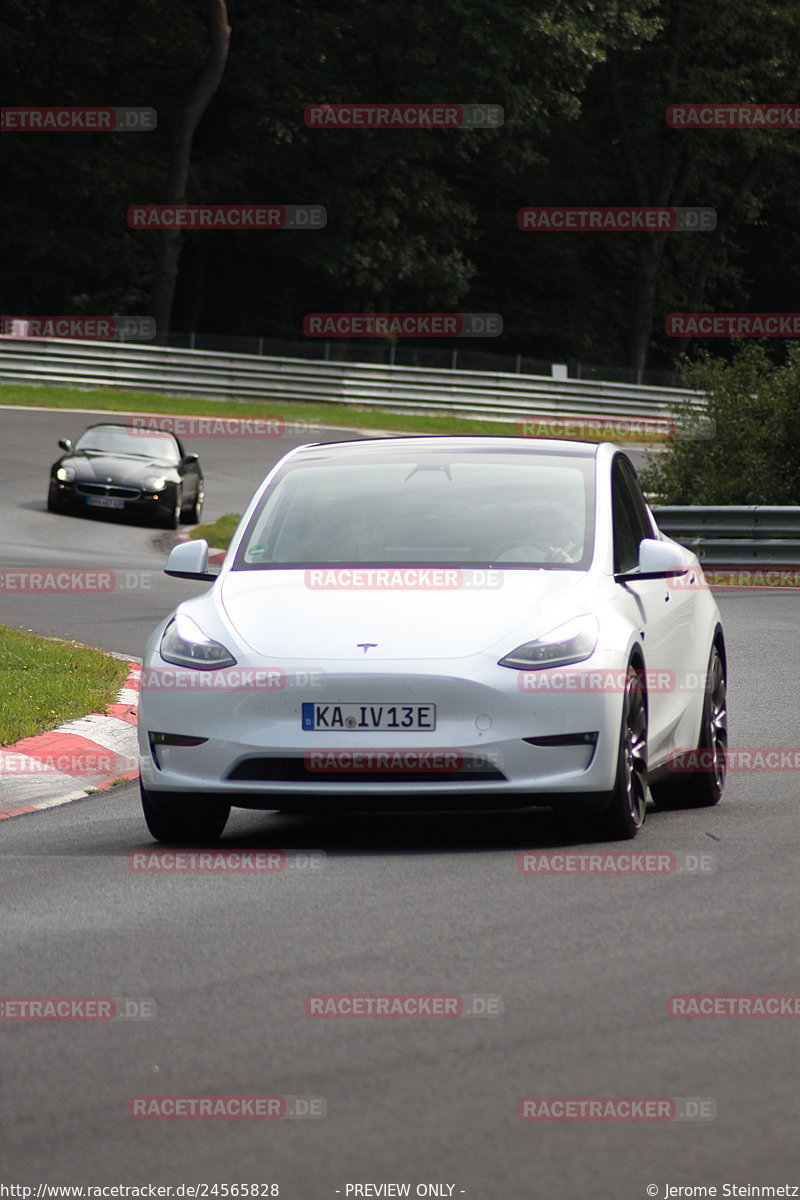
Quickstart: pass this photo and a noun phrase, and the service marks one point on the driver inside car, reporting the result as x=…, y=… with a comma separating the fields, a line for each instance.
x=547, y=538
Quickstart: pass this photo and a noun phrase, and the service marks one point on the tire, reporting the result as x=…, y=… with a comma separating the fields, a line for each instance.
x=173, y=519
x=178, y=818
x=195, y=510
x=703, y=788
x=626, y=811
x=52, y=506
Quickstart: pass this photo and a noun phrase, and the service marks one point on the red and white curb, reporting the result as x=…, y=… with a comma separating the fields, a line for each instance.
x=79, y=757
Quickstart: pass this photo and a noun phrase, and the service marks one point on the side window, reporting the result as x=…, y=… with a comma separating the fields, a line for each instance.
x=638, y=498
x=630, y=520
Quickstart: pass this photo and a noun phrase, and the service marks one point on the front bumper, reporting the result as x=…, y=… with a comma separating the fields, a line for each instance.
x=477, y=749
x=66, y=496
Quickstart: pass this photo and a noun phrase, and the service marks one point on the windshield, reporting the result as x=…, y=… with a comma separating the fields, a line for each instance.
x=112, y=439
x=514, y=508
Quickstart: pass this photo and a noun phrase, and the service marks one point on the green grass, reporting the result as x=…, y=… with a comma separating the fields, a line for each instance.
x=347, y=415
x=44, y=682
x=217, y=533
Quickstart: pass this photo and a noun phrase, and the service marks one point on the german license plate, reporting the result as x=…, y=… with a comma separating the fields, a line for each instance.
x=105, y=502
x=358, y=718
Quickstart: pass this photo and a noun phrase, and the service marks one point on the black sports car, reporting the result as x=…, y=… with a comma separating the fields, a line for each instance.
x=128, y=469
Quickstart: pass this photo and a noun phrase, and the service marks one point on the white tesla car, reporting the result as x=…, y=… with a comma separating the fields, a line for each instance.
x=443, y=622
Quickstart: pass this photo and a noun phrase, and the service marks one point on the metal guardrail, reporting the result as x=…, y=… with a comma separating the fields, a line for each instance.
x=497, y=395
x=735, y=535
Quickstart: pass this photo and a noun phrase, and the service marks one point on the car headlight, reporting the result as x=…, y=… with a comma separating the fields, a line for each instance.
x=571, y=642
x=156, y=484
x=65, y=473
x=185, y=644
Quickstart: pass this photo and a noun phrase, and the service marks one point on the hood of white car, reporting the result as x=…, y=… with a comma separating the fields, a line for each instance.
x=282, y=614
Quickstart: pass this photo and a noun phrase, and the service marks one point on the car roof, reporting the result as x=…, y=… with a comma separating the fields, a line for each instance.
x=448, y=444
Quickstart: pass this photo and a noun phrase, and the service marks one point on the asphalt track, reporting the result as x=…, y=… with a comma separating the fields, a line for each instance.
x=584, y=965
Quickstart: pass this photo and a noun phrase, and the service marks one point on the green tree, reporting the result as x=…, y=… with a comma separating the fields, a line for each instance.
x=753, y=456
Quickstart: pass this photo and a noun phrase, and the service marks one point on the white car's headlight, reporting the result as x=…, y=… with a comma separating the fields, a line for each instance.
x=571, y=642
x=65, y=473
x=156, y=484
x=185, y=644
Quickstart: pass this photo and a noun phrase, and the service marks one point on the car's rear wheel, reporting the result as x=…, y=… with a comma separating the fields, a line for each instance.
x=701, y=785
x=625, y=813
x=180, y=818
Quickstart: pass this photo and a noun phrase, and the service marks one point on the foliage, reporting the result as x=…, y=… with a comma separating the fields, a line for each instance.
x=754, y=455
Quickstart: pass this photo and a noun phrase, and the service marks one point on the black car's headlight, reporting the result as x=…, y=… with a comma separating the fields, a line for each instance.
x=185, y=644
x=156, y=483
x=65, y=474
x=571, y=642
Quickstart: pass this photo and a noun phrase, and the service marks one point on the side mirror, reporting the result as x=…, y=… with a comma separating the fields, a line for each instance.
x=657, y=560
x=189, y=560
x=188, y=459
x=65, y=444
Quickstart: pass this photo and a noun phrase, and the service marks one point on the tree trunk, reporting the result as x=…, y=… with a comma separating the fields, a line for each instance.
x=648, y=261
x=171, y=240
x=697, y=290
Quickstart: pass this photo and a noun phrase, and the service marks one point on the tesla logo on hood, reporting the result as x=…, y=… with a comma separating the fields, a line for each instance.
x=365, y=646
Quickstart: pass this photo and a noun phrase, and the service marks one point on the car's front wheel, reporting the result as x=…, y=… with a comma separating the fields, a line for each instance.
x=625, y=814
x=179, y=818
x=195, y=509
x=52, y=504
x=701, y=785
x=173, y=518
